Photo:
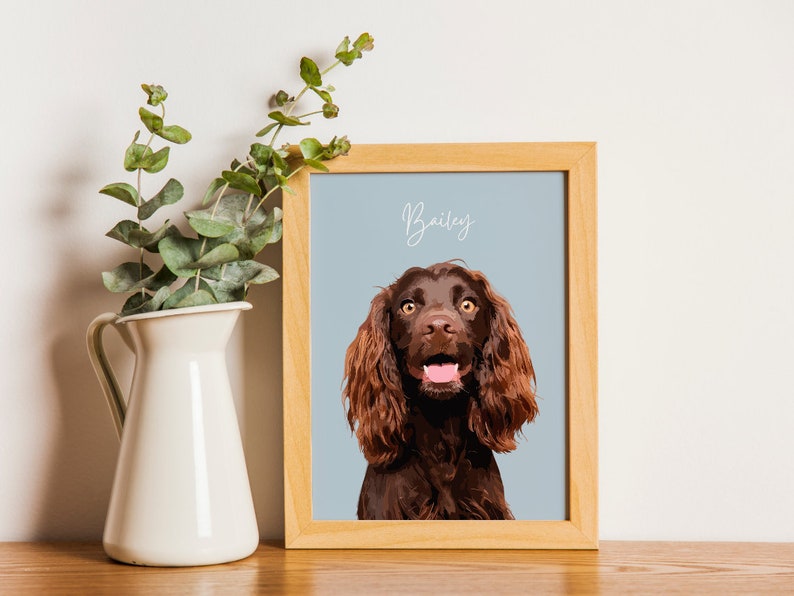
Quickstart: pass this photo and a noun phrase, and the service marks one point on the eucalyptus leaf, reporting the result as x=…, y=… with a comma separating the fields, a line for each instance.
x=242, y=181
x=364, y=43
x=214, y=187
x=347, y=55
x=121, y=231
x=324, y=95
x=156, y=93
x=347, y=58
x=344, y=46
x=261, y=154
x=260, y=229
x=280, y=165
x=310, y=73
x=141, y=302
x=162, y=279
x=282, y=184
x=258, y=235
x=316, y=164
x=151, y=121
x=188, y=295
x=178, y=253
x=200, y=297
x=270, y=180
x=130, y=277
x=338, y=146
x=142, y=238
x=267, y=129
x=121, y=191
x=311, y=148
x=221, y=254
x=206, y=223
x=135, y=303
x=135, y=154
x=155, y=162
x=231, y=281
x=225, y=282
x=234, y=274
x=343, y=52
x=224, y=292
x=282, y=118
x=175, y=134
x=168, y=195
x=180, y=294
x=127, y=277
x=244, y=169
x=132, y=234
x=232, y=208
x=282, y=98
x=330, y=110
x=265, y=273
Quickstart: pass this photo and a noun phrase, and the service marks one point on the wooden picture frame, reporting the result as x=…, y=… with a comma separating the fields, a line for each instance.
x=579, y=528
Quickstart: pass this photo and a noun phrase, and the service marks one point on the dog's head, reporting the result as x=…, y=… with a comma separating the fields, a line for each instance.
x=439, y=325
x=439, y=332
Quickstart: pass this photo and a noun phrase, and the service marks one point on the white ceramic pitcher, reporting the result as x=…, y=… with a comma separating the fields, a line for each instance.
x=181, y=494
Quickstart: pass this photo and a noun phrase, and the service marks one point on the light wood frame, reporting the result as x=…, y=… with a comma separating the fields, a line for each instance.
x=580, y=531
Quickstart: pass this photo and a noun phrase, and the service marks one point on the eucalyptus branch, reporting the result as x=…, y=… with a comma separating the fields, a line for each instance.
x=233, y=226
x=306, y=87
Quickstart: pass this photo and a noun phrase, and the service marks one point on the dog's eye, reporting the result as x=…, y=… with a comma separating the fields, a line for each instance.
x=468, y=305
x=408, y=306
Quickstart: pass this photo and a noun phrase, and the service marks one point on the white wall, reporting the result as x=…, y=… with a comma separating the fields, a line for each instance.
x=691, y=102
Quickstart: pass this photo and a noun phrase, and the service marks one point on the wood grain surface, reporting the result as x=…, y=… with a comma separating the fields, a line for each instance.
x=617, y=568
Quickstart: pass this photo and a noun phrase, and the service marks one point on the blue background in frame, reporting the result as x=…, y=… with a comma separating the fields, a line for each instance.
x=360, y=242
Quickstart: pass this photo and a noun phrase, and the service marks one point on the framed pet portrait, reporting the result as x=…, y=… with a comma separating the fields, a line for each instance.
x=440, y=348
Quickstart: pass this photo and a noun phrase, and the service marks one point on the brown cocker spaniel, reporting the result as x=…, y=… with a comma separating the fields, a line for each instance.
x=437, y=380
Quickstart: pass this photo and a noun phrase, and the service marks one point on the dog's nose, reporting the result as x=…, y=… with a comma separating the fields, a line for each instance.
x=440, y=325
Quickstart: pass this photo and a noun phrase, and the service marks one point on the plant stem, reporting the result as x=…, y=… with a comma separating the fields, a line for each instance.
x=140, y=224
x=275, y=134
x=246, y=215
x=140, y=227
x=274, y=189
x=309, y=114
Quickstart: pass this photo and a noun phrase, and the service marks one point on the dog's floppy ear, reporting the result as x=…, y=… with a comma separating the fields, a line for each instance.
x=505, y=375
x=376, y=409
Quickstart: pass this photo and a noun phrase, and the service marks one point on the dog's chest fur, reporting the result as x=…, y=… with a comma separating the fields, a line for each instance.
x=448, y=455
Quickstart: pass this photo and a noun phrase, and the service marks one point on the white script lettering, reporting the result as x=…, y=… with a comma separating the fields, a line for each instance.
x=416, y=224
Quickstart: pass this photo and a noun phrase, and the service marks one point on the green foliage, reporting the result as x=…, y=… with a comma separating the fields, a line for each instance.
x=218, y=263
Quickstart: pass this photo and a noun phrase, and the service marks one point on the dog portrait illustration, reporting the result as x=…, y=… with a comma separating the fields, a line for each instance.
x=437, y=380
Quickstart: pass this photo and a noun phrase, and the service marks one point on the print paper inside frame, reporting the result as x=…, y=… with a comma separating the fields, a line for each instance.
x=524, y=214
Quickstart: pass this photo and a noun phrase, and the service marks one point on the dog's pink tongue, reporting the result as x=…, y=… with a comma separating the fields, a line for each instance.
x=441, y=373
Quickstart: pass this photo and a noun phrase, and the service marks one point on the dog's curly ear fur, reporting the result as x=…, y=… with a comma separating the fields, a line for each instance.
x=506, y=378
x=373, y=395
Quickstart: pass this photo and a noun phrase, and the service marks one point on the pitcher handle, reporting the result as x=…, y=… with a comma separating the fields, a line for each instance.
x=103, y=370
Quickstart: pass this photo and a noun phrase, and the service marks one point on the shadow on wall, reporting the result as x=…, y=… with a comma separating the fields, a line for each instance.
x=261, y=415
x=74, y=500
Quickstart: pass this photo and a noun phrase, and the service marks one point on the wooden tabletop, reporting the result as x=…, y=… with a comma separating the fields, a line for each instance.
x=617, y=568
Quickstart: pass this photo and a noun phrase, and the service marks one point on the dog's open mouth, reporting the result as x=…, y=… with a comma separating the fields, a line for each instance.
x=441, y=369
x=440, y=373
